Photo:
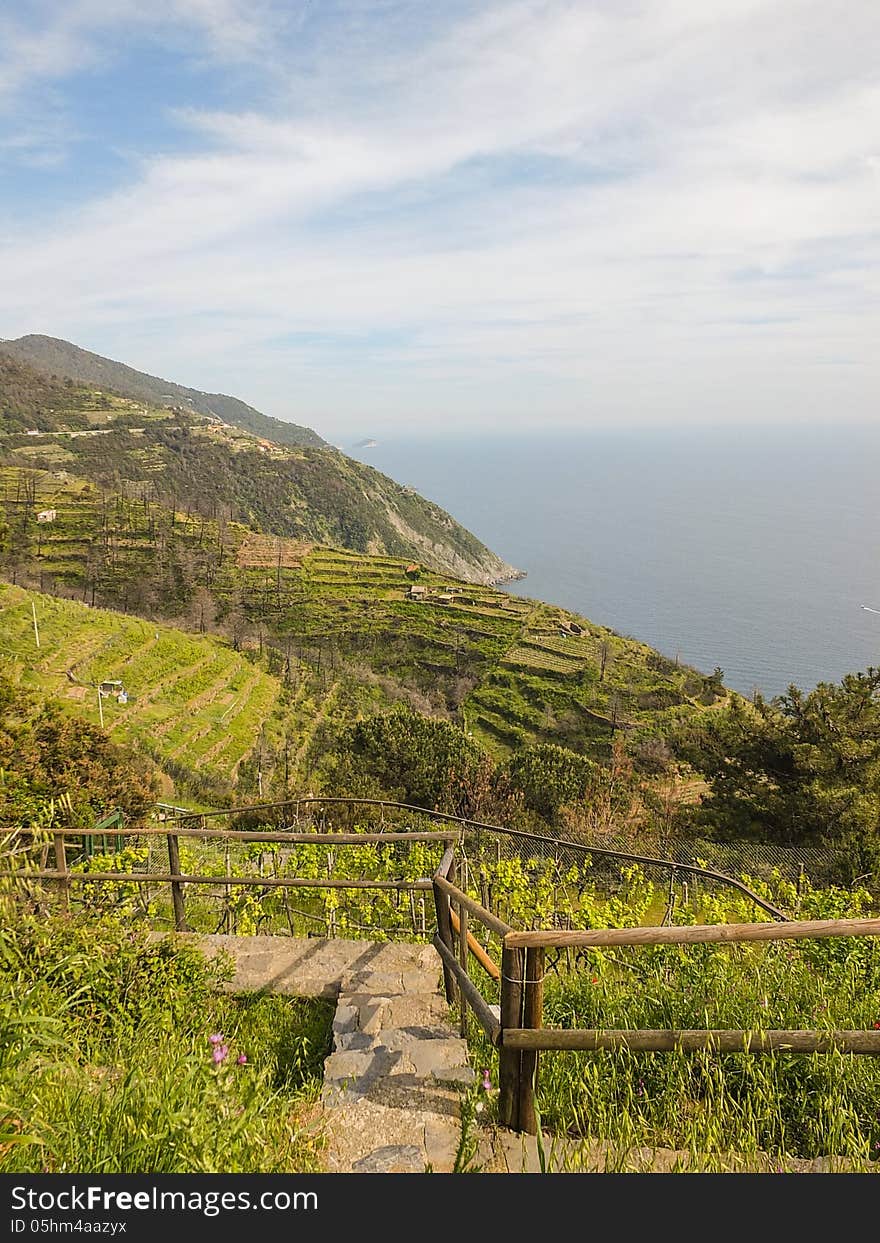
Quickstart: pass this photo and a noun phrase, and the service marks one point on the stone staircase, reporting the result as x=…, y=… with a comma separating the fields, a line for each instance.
x=393, y=1081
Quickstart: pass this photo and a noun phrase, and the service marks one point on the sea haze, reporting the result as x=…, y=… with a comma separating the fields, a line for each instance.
x=751, y=549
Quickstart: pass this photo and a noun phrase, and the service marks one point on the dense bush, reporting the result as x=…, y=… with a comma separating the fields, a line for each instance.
x=412, y=757
x=551, y=777
x=47, y=753
x=801, y=769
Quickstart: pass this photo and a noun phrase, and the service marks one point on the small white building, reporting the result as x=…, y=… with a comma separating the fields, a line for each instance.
x=47, y=515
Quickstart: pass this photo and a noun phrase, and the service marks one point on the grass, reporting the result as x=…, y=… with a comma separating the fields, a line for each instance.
x=107, y=1063
x=192, y=699
x=764, y=1111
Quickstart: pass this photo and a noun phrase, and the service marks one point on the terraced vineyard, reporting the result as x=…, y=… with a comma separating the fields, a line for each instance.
x=194, y=705
x=514, y=671
x=564, y=679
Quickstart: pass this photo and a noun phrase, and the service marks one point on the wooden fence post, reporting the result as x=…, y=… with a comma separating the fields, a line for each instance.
x=176, y=886
x=444, y=931
x=533, y=1011
x=61, y=866
x=463, y=959
x=511, y=1016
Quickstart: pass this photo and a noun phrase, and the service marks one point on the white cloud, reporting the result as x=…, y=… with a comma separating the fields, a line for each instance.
x=52, y=40
x=627, y=209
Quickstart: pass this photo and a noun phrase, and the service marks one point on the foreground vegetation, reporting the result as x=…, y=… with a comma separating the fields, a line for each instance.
x=119, y=1055
x=717, y=1112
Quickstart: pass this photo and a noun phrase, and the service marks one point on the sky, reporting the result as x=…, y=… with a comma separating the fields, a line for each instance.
x=378, y=216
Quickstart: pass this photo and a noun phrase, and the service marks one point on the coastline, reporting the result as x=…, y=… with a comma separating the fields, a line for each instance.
x=511, y=576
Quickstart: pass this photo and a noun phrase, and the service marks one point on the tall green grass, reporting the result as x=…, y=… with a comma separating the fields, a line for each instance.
x=107, y=1063
x=761, y=1109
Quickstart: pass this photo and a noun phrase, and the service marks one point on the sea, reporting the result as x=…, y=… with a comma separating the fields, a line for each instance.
x=754, y=550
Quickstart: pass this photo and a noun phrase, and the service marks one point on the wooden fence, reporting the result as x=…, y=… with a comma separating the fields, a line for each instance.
x=515, y=1027
x=65, y=877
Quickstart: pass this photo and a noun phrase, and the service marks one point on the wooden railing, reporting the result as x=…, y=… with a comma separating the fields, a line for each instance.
x=517, y=1030
x=295, y=807
x=65, y=876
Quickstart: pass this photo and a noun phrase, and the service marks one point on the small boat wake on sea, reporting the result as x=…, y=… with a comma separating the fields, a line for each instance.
x=868, y=609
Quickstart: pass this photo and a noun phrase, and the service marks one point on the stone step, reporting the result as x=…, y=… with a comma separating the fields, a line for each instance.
x=411, y=980
x=393, y=1081
x=321, y=966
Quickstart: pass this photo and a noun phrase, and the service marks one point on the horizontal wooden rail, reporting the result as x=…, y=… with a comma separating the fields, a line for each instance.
x=481, y=1008
x=692, y=1040
x=490, y=967
x=795, y=930
x=308, y=799
x=265, y=882
x=470, y=904
x=296, y=839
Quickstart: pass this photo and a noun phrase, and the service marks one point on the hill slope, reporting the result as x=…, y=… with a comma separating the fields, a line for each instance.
x=196, y=707
x=196, y=462
x=30, y=400
x=54, y=357
x=514, y=671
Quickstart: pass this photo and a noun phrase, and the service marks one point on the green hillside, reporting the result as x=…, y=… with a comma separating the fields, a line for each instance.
x=52, y=357
x=192, y=461
x=195, y=706
x=512, y=671
x=31, y=401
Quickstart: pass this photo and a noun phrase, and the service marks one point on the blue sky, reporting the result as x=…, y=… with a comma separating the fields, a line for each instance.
x=371, y=215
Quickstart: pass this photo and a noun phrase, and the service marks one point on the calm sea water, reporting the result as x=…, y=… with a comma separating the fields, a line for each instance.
x=753, y=550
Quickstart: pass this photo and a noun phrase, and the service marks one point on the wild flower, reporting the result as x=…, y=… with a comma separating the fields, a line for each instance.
x=242, y=1059
x=486, y=1084
x=219, y=1053
x=217, y=1038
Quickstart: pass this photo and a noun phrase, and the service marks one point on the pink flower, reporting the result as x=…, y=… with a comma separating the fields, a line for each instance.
x=219, y=1053
x=217, y=1038
x=242, y=1059
x=486, y=1085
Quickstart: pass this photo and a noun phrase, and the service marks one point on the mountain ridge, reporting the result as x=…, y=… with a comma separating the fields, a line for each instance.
x=202, y=463
x=55, y=356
